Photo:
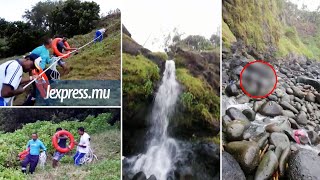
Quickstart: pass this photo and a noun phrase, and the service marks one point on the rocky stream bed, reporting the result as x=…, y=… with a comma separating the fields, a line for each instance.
x=275, y=137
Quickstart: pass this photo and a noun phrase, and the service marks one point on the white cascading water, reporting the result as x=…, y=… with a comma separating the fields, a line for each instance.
x=161, y=150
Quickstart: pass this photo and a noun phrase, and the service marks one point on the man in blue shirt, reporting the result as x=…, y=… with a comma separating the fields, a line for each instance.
x=34, y=145
x=43, y=52
x=57, y=156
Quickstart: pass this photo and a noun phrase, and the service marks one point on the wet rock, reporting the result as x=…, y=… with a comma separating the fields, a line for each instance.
x=246, y=153
x=288, y=106
x=267, y=166
x=314, y=137
x=288, y=113
x=250, y=114
x=309, y=108
x=310, y=97
x=257, y=105
x=226, y=120
x=243, y=99
x=231, y=168
x=235, y=113
x=279, y=140
x=139, y=176
x=270, y=128
x=289, y=91
x=294, y=124
x=297, y=92
x=271, y=109
x=302, y=118
x=235, y=129
x=266, y=120
x=232, y=90
x=283, y=161
x=152, y=177
x=313, y=82
x=304, y=164
x=272, y=97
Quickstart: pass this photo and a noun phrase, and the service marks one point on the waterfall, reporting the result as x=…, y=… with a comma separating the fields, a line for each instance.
x=161, y=150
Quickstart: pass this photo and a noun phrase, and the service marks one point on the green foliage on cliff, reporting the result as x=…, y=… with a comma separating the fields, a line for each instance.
x=269, y=24
x=139, y=78
x=198, y=98
x=291, y=43
x=254, y=21
x=227, y=36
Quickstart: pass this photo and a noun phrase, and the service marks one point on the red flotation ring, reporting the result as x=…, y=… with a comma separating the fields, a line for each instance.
x=23, y=154
x=42, y=83
x=55, y=48
x=55, y=141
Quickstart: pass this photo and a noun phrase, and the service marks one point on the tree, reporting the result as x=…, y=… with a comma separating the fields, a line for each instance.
x=40, y=15
x=75, y=17
x=215, y=40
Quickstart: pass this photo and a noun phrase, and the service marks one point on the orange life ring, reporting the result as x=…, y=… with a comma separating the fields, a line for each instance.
x=56, y=51
x=23, y=154
x=42, y=83
x=55, y=141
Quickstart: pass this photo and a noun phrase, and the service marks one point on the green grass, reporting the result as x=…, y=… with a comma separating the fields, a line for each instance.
x=253, y=21
x=198, y=98
x=99, y=61
x=139, y=74
x=161, y=55
x=108, y=167
x=227, y=36
x=105, y=142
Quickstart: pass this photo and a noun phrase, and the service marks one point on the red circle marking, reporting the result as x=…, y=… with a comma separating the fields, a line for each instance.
x=274, y=86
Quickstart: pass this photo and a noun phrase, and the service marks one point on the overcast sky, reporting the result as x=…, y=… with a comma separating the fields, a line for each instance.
x=154, y=19
x=12, y=10
x=311, y=4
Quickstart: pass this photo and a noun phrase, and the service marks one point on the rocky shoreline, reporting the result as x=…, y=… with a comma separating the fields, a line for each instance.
x=276, y=137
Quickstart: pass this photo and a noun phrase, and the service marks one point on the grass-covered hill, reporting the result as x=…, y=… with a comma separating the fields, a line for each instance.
x=271, y=28
x=105, y=141
x=198, y=74
x=98, y=61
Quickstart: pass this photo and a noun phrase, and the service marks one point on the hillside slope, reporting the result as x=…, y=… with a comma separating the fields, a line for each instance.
x=268, y=29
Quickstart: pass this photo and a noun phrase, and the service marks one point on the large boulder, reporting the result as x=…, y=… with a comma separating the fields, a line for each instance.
x=235, y=113
x=279, y=140
x=246, y=153
x=302, y=118
x=271, y=108
x=303, y=165
x=231, y=168
x=267, y=166
x=313, y=82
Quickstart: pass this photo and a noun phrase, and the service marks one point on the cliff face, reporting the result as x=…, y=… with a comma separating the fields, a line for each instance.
x=197, y=113
x=270, y=29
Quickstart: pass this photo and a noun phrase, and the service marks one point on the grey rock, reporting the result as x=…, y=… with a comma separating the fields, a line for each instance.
x=304, y=164
x=271, y=109
x=279, y=140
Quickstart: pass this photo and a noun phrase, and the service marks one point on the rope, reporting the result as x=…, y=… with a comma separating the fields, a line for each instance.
x=89, y=157
x=24, y=87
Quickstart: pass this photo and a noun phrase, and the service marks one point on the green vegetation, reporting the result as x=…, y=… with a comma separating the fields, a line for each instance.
x=99, y=61
x=227, y=36
x=268, y=24
x=160, y=55
x=139, y=78
x=47, y=19
x=290, y=43
x=198, y=98
x=108, y=152
x=254, y=21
